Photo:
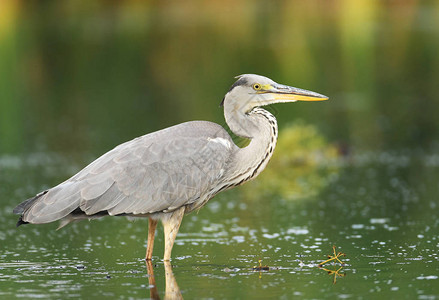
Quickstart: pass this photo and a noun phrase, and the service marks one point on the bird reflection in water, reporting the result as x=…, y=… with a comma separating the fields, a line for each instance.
x=172, y=291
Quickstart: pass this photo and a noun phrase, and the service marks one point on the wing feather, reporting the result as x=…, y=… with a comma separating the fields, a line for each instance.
x=104, y=202
x=153, y=173
x=57, y=203
x=93, y=191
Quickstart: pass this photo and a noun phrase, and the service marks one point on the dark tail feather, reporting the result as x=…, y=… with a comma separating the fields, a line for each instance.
x=21, y=222
x=23, y=205
x=19, y=210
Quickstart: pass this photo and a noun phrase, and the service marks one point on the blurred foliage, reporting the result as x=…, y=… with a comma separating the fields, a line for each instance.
x=300, y=167
x=79, y=77
x=84, y=76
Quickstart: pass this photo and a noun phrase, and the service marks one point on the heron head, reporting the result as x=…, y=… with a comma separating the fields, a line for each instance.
x=252, y=90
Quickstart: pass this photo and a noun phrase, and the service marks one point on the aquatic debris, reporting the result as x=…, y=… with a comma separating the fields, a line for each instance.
x=310, y=265
x=228, y=270
x=331, y=258
x=261, y=267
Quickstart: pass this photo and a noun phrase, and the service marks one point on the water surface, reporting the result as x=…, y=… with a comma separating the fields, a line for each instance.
x=380, y=210
x=77, y=80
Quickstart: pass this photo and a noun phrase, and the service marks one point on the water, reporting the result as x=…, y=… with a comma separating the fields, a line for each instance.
x=380, y=210
x=77, y=79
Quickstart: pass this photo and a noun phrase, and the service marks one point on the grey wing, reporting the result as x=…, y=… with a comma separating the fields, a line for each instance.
x=158, y=172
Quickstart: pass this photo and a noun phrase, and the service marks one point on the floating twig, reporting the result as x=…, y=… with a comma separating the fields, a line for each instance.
x=335, y=257
x=261, y=267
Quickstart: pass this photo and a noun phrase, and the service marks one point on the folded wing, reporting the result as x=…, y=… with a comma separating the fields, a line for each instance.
x=158, y=172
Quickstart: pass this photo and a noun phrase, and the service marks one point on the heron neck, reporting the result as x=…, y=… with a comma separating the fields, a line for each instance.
x=260, y=127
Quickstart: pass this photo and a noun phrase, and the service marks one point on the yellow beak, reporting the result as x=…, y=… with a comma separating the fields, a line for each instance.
x=284, y=93
x=298, y=97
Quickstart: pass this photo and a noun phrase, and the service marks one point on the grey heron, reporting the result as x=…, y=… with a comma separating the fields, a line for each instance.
x=171, y=172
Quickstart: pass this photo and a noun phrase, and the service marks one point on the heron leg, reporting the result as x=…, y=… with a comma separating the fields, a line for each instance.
x=171, y=224
x=152, y=224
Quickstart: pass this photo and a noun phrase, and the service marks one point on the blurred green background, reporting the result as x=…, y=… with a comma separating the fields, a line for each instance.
x=359, y=171
x=84, y=76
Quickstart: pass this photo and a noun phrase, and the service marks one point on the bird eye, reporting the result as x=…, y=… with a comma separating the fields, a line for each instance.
x=257, y=86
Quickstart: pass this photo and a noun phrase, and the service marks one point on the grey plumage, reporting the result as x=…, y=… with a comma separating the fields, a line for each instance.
x=180, y=167
x=140, y=177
